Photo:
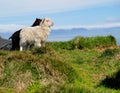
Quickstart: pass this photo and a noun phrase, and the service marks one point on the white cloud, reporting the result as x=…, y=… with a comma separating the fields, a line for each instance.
x=14, y=27
x=110, y=19
x=105, y=25
x=20, y=7
x=10, y=28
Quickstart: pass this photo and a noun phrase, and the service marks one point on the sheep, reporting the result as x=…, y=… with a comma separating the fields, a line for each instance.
x=35, y=35
x=16, y=36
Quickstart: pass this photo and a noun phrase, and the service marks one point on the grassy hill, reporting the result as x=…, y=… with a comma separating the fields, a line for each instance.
x=81, y=65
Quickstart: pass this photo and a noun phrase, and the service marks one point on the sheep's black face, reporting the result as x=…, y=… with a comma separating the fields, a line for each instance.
x=37, y=22
x=48, y=22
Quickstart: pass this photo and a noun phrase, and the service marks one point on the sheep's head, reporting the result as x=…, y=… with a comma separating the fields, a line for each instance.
x=37, y=22
x=47, y=22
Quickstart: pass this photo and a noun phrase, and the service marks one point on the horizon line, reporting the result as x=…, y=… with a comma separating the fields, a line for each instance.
x=15, y=27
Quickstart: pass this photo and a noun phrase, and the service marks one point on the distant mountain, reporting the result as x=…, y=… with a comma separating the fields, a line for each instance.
x=68, y=34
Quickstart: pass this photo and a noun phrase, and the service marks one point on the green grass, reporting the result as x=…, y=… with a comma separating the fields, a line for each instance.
x=81, y=65
x=85, y=42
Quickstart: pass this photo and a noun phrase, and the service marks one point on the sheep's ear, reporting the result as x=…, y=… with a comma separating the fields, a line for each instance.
x=38, y=19
x=43, y=20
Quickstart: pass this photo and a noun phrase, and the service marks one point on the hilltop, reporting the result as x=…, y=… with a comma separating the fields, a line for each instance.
x=81, y=65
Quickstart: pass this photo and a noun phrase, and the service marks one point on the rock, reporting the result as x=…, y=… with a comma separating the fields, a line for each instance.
x=5, y=44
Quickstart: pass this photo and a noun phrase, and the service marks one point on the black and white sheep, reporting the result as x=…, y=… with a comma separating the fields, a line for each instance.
x=16, y=36
x=35, y=35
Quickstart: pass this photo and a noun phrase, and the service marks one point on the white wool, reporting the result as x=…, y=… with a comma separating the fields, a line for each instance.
x=36, y=35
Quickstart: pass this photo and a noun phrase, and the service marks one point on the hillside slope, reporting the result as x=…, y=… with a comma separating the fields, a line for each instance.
x=62, y=67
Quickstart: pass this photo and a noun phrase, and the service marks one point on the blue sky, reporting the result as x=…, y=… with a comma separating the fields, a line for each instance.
x=64, y=13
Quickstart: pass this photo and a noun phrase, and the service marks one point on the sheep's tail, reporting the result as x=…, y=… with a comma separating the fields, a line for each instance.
x=10, y=37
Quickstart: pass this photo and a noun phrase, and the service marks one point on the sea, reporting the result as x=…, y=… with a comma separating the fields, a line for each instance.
x=68, y=34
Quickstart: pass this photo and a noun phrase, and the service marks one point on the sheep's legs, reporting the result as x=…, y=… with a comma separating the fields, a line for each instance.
x=43, y=43
x=21, y=48
x=38, y=43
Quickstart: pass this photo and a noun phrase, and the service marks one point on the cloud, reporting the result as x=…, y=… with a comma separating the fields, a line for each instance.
x=14, y=27
x=105, y=25
x=10, y=28
x=24, y=7
x=113, y=20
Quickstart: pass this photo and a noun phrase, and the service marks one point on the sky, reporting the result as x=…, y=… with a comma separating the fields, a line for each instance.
x=16, y=14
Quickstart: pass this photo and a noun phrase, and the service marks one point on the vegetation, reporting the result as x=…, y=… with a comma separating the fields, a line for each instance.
x=81, y=65
x=86, y=42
